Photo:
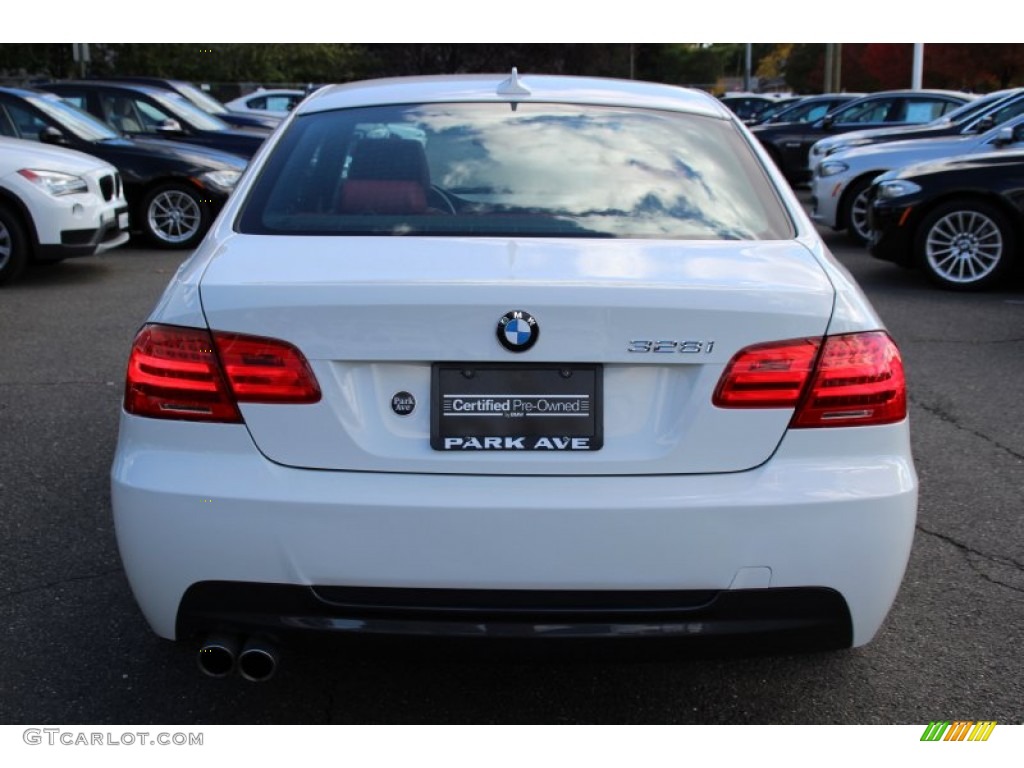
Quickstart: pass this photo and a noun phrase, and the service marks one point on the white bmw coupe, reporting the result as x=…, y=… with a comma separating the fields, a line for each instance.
x=531, y=356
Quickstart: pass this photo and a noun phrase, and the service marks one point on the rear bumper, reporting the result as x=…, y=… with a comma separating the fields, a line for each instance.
x=193, y=504
x=812, y=617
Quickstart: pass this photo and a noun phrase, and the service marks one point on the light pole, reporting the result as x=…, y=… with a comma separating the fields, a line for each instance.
x=746, y=68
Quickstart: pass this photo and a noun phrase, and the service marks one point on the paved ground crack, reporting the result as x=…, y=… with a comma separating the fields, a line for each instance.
x=947, y=417
x=972, y=554
x=50, y=584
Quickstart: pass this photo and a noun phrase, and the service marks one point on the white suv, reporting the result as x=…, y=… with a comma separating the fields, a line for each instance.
x=56, y=203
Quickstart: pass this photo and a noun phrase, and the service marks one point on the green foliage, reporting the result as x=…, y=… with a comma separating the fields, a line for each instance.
x=43, y=59
x=805, y=68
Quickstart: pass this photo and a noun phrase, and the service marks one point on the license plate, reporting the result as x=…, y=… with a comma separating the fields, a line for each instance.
x=515, y=407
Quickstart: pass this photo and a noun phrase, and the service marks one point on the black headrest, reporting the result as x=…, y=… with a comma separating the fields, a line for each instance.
x=390, y=160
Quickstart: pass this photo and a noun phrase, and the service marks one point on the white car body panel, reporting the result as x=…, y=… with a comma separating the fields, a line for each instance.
x=361, y=312
x=834, y=510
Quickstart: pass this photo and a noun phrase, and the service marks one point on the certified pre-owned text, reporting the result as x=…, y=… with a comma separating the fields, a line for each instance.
x=516, y=406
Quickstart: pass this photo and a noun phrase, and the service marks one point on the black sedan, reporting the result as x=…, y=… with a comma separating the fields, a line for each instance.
x=807, y=109
x=971, y=119
x=173, y=190
x=961, y=220
x=203, y=101
x=748, y=107
x=789, y=144
x=145, y=111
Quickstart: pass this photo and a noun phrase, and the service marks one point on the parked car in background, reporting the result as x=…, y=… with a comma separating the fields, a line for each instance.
x=974, y=117
x=960, y=220
x=205, y=102
x=772, y=109
x=789, y=144
x=274, y=102
x=55, y=203
x=144, y=111
x=805, y=110
x=487, y=381
x=840, y=189
x=173, y=190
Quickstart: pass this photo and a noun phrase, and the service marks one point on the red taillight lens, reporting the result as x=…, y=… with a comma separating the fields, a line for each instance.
x=857, y=379
x=266, y=370
x=767, y=375
x=179, y=373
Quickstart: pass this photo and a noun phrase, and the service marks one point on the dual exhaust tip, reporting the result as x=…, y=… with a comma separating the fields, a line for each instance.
x=220, y=655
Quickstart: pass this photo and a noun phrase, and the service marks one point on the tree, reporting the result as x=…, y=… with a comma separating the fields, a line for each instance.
x=805, y=67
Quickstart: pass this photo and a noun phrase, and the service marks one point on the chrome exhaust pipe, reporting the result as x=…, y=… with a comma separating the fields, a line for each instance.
x=217, y=655
x=258, y=660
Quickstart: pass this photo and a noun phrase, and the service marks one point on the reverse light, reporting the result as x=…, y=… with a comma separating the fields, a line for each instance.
x=193, y=375
x=261, y=370
x=767, y=375
x=849, y=380
x=54, y=182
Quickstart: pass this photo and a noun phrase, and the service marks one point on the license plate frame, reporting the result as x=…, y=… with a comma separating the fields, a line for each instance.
x=515, y=407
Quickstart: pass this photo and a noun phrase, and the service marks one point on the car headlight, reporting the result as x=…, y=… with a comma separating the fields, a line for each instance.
x=886, y=190
x=832, y=167
x=220, y=181
x=54, y=182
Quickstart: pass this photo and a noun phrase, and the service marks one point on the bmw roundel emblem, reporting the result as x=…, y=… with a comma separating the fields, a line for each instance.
x=518, y=331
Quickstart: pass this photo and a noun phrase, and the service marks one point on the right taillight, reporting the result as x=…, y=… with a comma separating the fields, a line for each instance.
x=849, y=380
x=191, y=374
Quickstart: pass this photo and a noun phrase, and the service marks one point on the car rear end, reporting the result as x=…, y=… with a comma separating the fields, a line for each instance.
x=542, y=357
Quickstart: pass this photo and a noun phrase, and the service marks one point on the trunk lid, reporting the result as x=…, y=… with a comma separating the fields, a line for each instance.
x=659, y=320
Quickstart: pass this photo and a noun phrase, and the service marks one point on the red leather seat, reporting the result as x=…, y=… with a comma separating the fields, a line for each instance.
x=386, y=177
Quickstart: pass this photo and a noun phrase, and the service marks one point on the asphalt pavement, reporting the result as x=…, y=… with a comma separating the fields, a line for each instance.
x=77, y=650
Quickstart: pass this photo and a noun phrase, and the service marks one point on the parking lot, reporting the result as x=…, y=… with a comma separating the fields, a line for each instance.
x=78, y=650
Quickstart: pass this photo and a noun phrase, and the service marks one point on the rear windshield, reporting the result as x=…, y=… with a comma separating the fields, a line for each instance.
x=525, y=170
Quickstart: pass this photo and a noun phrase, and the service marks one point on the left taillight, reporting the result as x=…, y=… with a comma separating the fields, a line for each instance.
x=195, y=375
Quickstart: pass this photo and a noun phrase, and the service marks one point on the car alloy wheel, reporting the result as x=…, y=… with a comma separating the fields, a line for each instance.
x=856, y=219
x=965, y=245
x=13, y=255
x=175, y=217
